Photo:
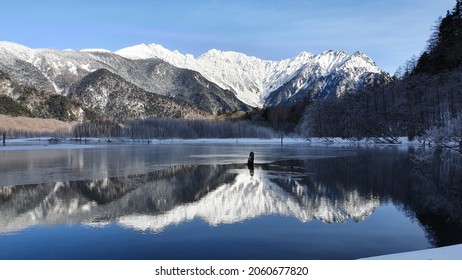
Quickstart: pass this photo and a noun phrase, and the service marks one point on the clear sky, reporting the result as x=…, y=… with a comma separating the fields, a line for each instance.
x=389, y=31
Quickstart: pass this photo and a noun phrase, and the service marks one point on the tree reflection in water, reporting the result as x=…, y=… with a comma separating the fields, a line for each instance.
x=437, y=195
x=330, y=190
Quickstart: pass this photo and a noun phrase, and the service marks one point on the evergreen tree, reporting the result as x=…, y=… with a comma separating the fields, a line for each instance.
x=444, y=50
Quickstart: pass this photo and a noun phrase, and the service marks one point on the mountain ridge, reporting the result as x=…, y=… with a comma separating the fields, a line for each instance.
x=254, y=79
x=123, y=100
x=57, y=72
x=216, y=81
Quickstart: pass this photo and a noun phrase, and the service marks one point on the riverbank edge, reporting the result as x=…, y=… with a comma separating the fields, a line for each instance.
x=453, y=252
x=72, y=143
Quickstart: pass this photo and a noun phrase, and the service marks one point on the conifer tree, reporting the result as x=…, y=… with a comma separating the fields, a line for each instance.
x=444, y=51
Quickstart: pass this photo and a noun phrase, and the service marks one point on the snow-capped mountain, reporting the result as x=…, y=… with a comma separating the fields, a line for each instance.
x=329, y=74
x=254, y=80
x=218, y=81
x=59, y=72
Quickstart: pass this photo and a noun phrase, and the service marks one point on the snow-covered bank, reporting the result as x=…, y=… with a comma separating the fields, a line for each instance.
x=71, y=143
x=289, y=140
x=44, y=143
x=453, y=252
x=33, y=147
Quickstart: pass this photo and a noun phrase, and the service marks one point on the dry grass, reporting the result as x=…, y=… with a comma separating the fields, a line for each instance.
x=34, y=125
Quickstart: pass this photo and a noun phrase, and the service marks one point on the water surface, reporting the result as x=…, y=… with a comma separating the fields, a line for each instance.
x=200, y=201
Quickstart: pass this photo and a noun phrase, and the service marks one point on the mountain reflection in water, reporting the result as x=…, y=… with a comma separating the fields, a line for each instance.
x=215, y=193
x=331, y=190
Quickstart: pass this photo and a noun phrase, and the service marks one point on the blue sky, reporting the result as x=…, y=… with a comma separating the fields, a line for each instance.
x=389, y=31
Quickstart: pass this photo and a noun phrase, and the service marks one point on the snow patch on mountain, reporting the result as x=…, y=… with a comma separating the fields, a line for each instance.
x=8, y=49
x=95, y=51
x=253, y=79
x=249, y=77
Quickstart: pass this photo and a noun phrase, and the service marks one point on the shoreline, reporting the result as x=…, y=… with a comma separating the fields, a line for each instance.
x=38, y=143
x=452, y=252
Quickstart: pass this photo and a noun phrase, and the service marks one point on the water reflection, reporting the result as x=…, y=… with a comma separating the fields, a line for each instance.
x=331, y=190
x=437, y=195
x=217, y=194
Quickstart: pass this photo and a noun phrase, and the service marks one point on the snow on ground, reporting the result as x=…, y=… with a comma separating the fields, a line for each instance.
x=453, y=252
x=70, y=143
x=33, y=147
x=43, y=143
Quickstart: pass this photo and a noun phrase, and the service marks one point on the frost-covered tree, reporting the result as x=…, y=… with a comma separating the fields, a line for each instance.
x=447, y=136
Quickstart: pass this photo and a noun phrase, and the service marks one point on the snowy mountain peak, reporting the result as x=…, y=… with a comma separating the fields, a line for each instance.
x=358, y=53
x=250, y=78
x=144, y=51
x=305, y=55
x=211, y=53
x=15, y=49
x=95, y=51
x=254, y=81
x=330, y=59
x=364, y=57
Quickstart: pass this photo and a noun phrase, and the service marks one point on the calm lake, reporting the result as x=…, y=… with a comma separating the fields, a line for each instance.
x=200, y=201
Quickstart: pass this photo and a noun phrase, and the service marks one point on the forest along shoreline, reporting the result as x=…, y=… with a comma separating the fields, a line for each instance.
x=94, y=142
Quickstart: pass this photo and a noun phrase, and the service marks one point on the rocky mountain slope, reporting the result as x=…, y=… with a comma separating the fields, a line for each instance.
x=260, y=82
x=103, y=93
x=17, y=99
x=56, y=72
x=215, y=82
